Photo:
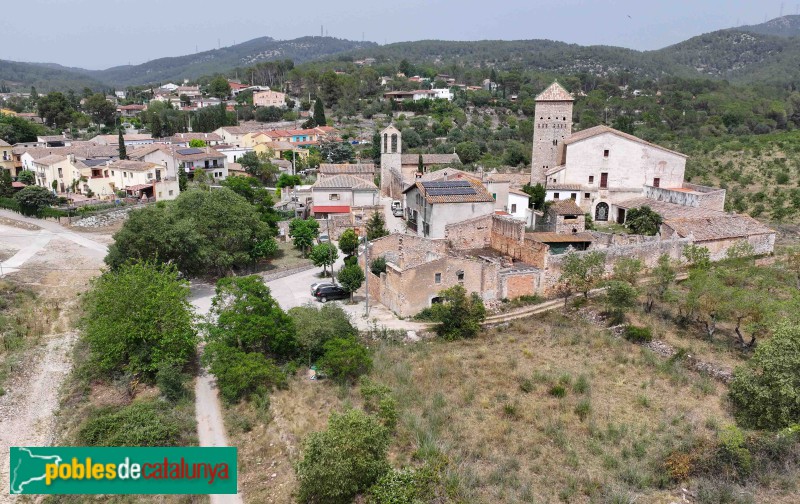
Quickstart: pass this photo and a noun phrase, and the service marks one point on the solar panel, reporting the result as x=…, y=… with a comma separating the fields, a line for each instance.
x=451, y=191
x=446, y=183
x=186, y=152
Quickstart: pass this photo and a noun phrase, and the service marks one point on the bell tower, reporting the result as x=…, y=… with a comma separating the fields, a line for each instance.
x=391, y=162
x=551, y=126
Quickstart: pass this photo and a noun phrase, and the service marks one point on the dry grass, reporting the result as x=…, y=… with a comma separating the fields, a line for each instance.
x=488, y=406
x=287, y=257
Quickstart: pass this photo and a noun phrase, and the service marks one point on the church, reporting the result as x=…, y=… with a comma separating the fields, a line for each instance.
x=600, y=168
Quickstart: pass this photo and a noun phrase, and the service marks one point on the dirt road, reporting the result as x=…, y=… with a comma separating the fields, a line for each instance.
x=208, y=410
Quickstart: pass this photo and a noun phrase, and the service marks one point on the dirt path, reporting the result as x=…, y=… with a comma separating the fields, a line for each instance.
x=26, y=412
x=208, y=410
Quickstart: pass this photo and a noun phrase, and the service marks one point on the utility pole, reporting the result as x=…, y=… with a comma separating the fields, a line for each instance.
x=366, y=274
x=330, y=254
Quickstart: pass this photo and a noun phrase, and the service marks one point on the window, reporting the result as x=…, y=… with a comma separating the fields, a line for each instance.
x=573, y=196
x=587, y=195
x=60, y=173
x=656, y=182
x=604, y=180
x=605, y=153
x=112, y=173
x=170, y=193
x=124, y=174
x=149, y=176
x=460, y=275
x=333, y=197
x=394, y=143
x=555, y=142
x=556, y=195
x=513, y=208
x=591, y=179
x=437, y=278
x=494, y=196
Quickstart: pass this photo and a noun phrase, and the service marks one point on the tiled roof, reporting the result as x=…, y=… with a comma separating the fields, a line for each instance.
x=564, y=187
x=429, y=159
x=331, y=209
x=669, y=211
x=555, y=169
x=344, y=182
x=513, y=179
x=79, y=149
x=566, y=207
x=3, y=143
x=548, y=237
x=479, y=194
x=518, y=192
x=186, y=137
x=331, y=169
x=50, y=160
x=114, y=139
x=717, y=228
x=449, y=174
x=139, y=152
x=554, y=93
x=206, y=153
x=127, y=164
x=600, y=130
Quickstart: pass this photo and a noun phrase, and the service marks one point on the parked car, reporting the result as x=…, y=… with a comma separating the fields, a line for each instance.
x=317, y=285
x=324, y=238
x=324, y=293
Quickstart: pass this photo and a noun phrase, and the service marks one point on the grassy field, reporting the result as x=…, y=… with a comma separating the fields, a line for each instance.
x=549, y=409
x=287, y=257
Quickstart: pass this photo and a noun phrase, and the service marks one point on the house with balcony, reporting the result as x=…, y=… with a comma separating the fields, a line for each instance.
x=7, y=157
x=213, y=162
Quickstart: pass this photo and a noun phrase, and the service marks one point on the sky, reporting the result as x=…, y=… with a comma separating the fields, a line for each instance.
x=98, y=34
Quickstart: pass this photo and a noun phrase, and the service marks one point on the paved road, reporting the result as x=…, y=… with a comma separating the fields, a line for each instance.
x=208, y=411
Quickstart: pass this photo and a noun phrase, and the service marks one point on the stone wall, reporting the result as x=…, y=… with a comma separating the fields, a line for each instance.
x=515, y=283
x=718, y=249
x=648, y=252
x=710, y=198
x=470, y=234
x=406, y=251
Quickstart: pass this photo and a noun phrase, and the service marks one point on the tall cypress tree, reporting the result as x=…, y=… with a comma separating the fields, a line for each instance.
x=319, y=112
x=123, y=154
x=420, y=165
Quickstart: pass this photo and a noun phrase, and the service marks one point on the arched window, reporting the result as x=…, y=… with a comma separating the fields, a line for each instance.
x=385, y=142
x=601, y=212
x=394, y=143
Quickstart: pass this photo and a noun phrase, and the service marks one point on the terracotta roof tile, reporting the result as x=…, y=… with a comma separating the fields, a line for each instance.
x=566, y=207
x=345, y=182
x=479, y=193
x=333, y=169
x=554, y=93
x=719, y=227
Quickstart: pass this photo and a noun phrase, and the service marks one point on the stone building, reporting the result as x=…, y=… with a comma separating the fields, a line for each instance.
x=566, y=217
x=552, y=124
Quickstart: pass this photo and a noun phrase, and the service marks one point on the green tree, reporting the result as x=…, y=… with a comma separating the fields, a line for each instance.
x=123, y=152
x=248, y=318
x=33, y=199
x=219, y=87
x=6, y=189
x=345, y=360
x=620, y=297
x=343, y=460
x=316, y=326
x=256, y=194
x=303, y=233
x=55, y=109
x=27, y=177
x=138, y=318
x=286, y=180
x=319, y=112
x=697, y=256
x=156, y=128
x=468, y=152
x=197, y=143
x=643, y=220
x=202, y=232
x=351, y=277
x=183, y=179
x=337, y=152
x=348, y=242
x=239, y=374
x=766, y=391
x=662, y=279
x=324, y=254
x=582, y=272
x=100, y=109
x=459, y=315
x=259, y=165
x=628, y=269
x=376, y=226
x=537, y=194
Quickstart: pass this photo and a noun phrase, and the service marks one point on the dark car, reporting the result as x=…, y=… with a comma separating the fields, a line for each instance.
x=326, y=292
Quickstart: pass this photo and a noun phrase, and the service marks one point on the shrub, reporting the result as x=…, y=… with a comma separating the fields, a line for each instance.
x=643, y=221
x=460, y=316
x=583, y=408
x=766, y=391
x=240, y=374
x=33, y=199
x=170, y=379
x=141, y=423
x=378, y=400
x=345, y=359
x=378, y=266
x=581, y=385
x=137, y=318
x=401, y=486
x=316, y=326
x=526, y=385
x=637, y=334
x=558, y=391
x=343, y=460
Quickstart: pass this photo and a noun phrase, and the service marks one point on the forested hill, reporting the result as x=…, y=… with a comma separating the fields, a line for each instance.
x=226, y=59
x=17, y=75
x=786, y=26
x=21, y=76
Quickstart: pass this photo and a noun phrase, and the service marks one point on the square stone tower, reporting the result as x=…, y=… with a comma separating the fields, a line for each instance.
x=391, y=162
x=552, y=124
